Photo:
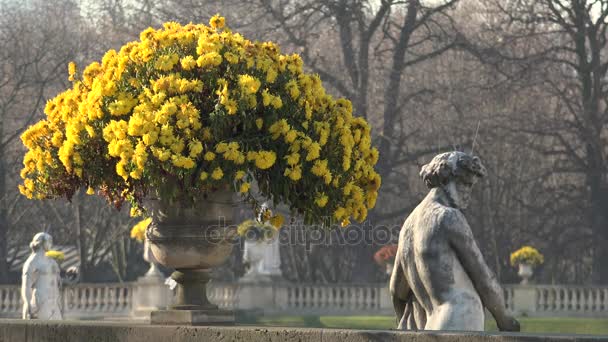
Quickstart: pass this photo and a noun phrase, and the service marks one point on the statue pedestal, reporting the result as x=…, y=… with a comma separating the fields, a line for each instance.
x=257, y=288
x=151, y=293
x=524, y=300
x=266, y=297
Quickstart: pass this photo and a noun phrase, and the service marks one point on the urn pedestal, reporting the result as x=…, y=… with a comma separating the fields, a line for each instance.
x=192, y=239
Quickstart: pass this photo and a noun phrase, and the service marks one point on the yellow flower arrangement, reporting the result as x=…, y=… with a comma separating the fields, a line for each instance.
x=59, y=256
x=528, y=255
x=138, y=232
x=188, y=110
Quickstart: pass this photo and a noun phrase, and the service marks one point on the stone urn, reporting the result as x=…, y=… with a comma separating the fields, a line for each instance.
x=192, y=239
x=525, y=272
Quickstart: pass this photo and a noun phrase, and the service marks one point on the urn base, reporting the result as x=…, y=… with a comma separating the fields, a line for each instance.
x=192, y=317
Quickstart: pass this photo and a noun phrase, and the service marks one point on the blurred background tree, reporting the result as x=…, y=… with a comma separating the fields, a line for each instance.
x=521, y=83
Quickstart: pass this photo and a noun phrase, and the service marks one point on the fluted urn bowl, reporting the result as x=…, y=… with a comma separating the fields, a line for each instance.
x=192, y=239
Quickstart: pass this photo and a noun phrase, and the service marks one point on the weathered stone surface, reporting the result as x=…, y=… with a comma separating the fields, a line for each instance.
x=77, y=331
x=440, y=280
x=192, y=317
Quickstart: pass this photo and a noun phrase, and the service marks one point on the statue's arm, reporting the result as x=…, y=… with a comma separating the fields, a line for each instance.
x=462, y=241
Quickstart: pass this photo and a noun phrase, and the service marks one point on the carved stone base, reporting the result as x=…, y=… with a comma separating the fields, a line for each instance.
x=192, y=317
x=192, y=290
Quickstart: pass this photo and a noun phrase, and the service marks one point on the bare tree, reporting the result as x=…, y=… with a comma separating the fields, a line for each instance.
x=36, y=52
x=572, y=62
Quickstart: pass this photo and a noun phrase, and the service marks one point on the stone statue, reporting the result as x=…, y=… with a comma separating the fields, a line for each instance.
x=40, y=282
x=440, y=280
x=262, y=255
x=264, y=259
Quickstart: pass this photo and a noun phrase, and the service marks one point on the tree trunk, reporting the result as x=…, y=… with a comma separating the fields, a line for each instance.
x=4, y=270
x=599, y=226
x=80, y=238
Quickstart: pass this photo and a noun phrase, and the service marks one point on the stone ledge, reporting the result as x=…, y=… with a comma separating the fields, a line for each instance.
x=96, y=331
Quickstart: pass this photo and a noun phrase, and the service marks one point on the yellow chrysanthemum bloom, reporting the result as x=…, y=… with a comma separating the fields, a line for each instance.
x=265, y=159
x=217, y=21
x=277, y=221
x=71, y=71
x=244, y=187
x=217, y=174
x=59, y=256
x=138, y=232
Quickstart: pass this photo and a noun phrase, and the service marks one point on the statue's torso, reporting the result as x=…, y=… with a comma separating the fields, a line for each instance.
x=434, y=273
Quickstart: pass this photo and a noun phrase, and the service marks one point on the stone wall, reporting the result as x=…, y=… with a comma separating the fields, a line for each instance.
x=75, y=331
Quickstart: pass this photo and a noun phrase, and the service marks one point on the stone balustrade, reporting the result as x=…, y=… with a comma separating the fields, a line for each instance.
x=332, y=299
x=557, y=300
x=88, y=301
x=82, y=301
x=136, y=299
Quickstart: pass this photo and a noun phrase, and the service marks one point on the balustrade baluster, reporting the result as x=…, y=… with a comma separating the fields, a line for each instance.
x=538, y=298
x=289, y=297
x=319, y=297
x=366, y=298
x=98, y=299
x=575, y=299
x=106, y=299
x=14, y=302
x=84, y=298
x=121, y=299
x=6, y=302
x=129, y=301
x=115, y=298
x=596, y=299
x=296, y=296
x=90, y=299
x=7, y=295
x=552, y=299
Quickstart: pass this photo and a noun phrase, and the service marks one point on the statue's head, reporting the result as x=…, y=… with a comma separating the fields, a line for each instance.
x=41, y=240
x=454, y=172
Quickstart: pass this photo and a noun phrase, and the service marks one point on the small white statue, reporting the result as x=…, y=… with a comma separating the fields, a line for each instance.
x=263, y=257
x=41, y=281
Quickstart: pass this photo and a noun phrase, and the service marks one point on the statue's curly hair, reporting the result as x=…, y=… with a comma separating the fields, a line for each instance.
x=451, y=165
x=38, y=240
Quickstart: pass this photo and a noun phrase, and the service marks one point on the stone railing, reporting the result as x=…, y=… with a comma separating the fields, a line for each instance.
x=82, y=301
x=88, y=301
x=136, y=299
x=326, y=299
x=10, y=301
x=224, y=295
x=558, y=300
